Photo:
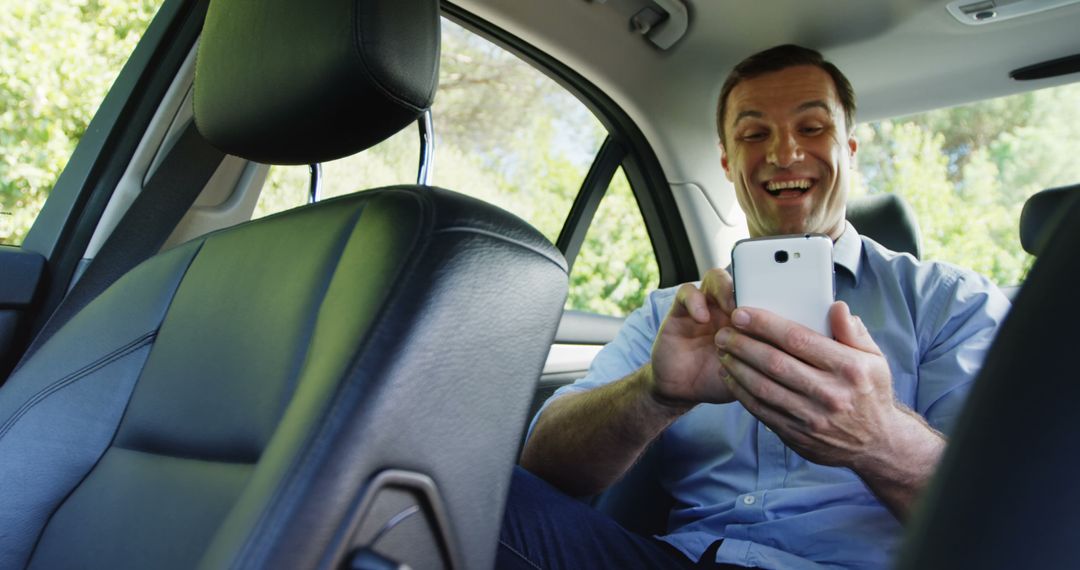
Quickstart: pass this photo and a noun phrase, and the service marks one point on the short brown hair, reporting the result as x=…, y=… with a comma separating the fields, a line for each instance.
x=780, y=58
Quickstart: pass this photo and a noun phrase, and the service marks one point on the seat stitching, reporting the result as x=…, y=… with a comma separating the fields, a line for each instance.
x=500, y=237
x=519, y=555
x=51, y=389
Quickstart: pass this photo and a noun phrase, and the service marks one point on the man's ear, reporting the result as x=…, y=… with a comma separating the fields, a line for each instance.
x=724, y=162
x=853, y=145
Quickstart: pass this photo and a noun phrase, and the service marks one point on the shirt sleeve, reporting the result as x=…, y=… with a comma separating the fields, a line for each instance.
x=629, y=351
x=964, y=319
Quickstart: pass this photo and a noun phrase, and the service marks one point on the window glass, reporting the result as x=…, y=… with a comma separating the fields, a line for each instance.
x=966, y=171
x=616, y=266
x=57, y=61
x=508, y=134
x=393, y=161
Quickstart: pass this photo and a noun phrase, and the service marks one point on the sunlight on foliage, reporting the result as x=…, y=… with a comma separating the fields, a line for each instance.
x=59, y=60
x=966, y=171
x=616, y=267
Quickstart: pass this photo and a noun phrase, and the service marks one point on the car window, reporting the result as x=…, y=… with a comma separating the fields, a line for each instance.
x=967, y=170
x=507, y=133
x=60, y=58
x=616, y=266
x=393, y=161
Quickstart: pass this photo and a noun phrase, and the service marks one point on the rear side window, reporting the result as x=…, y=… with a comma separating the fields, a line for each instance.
x=393, y=161
x=58, y=59
x=616, y=267
x=967, y=170
x=508, y=134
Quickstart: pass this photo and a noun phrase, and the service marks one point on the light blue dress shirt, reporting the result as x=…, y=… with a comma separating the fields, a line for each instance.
x=732, y=478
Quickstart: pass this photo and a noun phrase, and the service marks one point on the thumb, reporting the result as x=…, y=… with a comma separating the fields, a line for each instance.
x=850, y=330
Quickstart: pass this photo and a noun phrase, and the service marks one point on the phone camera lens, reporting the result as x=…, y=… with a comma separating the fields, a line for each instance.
x=780, y=256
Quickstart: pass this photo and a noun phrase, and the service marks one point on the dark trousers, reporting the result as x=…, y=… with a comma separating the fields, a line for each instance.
x=546, y=530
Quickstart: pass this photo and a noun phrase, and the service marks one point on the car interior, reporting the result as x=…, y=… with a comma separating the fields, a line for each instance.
x=189, y=381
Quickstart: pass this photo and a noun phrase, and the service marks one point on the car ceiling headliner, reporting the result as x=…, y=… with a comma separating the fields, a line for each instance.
x=902, y=56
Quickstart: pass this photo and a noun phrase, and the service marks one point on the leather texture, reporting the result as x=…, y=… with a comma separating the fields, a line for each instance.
x=888, y=220
x=1005, y=495
x=286, y=82
x=225, y=403
x=1042, y=214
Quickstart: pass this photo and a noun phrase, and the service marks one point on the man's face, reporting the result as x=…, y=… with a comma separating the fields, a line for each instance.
x=788, y=152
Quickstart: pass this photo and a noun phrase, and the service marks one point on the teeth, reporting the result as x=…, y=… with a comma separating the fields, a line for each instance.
x=801, y=184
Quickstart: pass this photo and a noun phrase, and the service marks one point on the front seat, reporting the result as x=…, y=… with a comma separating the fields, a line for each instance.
x=1006, y=494
x=341, y=384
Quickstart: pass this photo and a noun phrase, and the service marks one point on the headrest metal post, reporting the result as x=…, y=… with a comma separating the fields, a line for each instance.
x=315, y=188
x=427, y=148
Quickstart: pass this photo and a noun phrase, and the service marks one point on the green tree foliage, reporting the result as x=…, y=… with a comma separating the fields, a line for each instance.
x=616, y=267
x=966, y=171
x=59, y=58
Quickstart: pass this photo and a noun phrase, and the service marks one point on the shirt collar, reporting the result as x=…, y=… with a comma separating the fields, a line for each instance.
x=847, y=251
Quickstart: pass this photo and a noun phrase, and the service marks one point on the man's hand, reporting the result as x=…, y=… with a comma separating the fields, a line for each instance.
x=685, y=366
x=831, y=401
x=584, y=442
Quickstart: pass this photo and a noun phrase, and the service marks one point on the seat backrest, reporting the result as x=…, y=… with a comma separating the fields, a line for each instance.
x=342, y=380
x=888, y=220
x=1006, y=493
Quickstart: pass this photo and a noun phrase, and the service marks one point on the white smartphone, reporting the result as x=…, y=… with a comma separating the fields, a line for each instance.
x=790, y=275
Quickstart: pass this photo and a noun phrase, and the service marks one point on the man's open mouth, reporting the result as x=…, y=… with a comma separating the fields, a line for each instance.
x=788, y=188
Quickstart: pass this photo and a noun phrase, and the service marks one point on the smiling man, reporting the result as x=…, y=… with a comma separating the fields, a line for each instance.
x=781, y=448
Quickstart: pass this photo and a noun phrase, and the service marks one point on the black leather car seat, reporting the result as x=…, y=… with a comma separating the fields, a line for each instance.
x=1006, y=495
x=341, y=383
x=888, y=220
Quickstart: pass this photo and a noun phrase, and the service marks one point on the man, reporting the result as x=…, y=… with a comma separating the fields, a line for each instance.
x=782, y=448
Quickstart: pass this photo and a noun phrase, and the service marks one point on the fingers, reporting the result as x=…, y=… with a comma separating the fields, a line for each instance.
x=761, y=395
x=718, y=285
x=689, y=300
x=750, y=360
x=714, y=299
x=850, y=330
x=801, y=342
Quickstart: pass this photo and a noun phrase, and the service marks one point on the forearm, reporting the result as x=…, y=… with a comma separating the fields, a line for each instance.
x=584, y=442
x=899, y=471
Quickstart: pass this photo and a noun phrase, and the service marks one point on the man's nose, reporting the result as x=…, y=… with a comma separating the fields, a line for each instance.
x=785, y=150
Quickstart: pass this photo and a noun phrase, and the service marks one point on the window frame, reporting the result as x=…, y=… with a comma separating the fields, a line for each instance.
x=670, y=243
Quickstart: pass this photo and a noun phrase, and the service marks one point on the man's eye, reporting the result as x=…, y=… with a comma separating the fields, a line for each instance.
x=753, y=136
x=812, y=130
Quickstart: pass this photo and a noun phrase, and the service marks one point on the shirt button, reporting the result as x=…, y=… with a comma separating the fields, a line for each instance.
x=748, y=500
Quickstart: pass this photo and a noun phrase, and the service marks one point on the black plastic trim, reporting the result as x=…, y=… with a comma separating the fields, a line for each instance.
x=22, y=271
x=1052, y=68
x=592, y=191
x=402, y=479
x=674, y=255
x=74, y=208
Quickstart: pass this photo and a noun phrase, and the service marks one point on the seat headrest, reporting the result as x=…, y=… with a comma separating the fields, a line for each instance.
x=288, y=82
x=888, y=220
x=1042, y=213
